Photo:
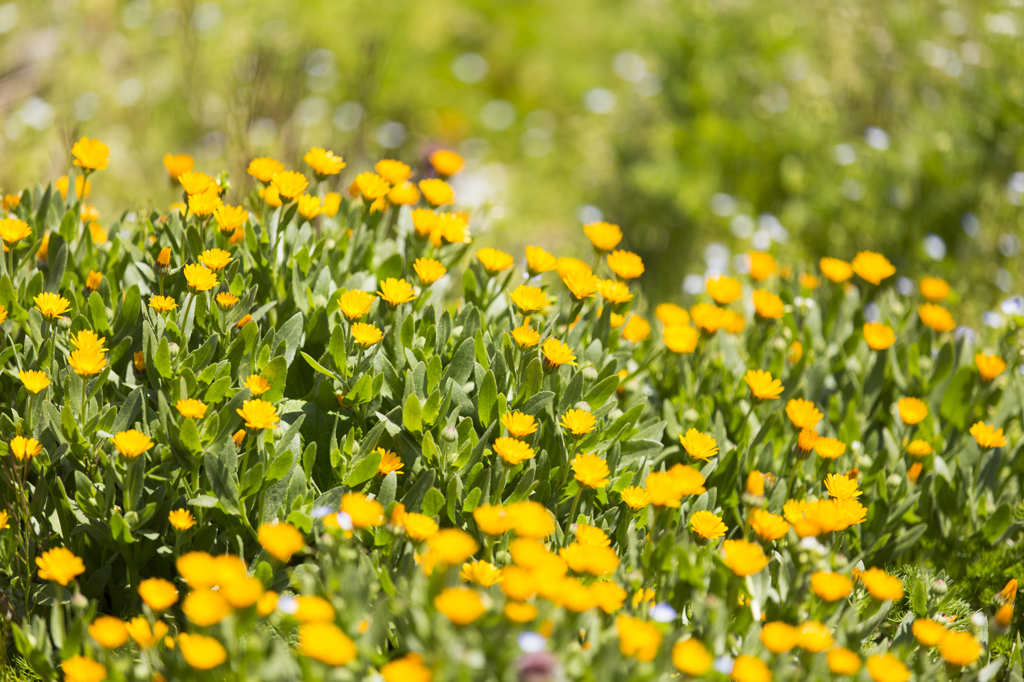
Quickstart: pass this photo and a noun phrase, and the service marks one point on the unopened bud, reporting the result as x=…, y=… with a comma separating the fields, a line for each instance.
x=939, y=587
x=590, y=373
x=449, y=434
x=582, y=405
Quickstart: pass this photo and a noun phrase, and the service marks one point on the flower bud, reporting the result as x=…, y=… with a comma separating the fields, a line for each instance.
x=582, y=405
x=174, y=349
x=939, y=586
x=449, y=434
x=590, y=373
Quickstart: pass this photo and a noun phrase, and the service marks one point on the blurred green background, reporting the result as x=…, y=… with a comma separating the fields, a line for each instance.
x=705, y=128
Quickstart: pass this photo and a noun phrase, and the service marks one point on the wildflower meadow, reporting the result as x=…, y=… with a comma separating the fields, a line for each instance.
x=323, y=435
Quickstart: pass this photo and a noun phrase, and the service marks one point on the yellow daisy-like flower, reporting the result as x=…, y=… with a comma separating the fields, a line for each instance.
x=366, y=334
x=637, y=329
x=936, y=317
x=393, y=171
x=672, y=315
x=691, y=657
x=988, y=436
x=309, y=206
x=264, y=169
x=90, y=154
x=204, y=203
x=699, y=445
x=323, y=162
x=181, y=519
x=281, y=540
x=928, y=633
x=87, y=362
x=590, y=470
x=140, y=632
x=519, y=425
x=13, y=230
x=887, y=668
x=270, y=196
x=828, y=448
x=919, y=448
x=389, y=462
x=332, y=202
x=539, y=261
x=59, y=565
x=194, y=182
x=768, y=526
x=259, y=414
x=494, y=260
x=881, y=585
x=526, y=336
x=842, y=487
x=429, y=270
x=256, y=384
x=355, y=303
x=912, y=410
x=446, y=163
x=681, y=338
x=482, y=573
x=934, y=289
x=365, y=513
x=762, y=385
x=743, y=558
x=132, y=443
x=513, y=451
x=707, y=525
x=80, y=668
x=835, y=270
x=803, y=413
x=581, y=283
x=396, y=291
x=557, y=353
x=779, y=637
x=767, y=305
x=842, y=661
x=226, y=299
x=419, y=527
x=614, y=291
x=215, y=259
x=529, y=299
x=25, y=448
x=872, y=267
x=637, y=638
x=831, y=586
x=325, y=642
x=52, y=305
x=372, y=186
x=230, y=218
x=578, y=422
x=109, y=632
x=289, y=184
x=460, y=605
x=723, y=289
x=201, y=652
x=200, y=277
x=176, y=164
x=959, y=649
x=604, y=236
x=162, y=304
x=878, y=336
x=437, y=192
x=625, y=264
x=989, y=366
x=192, y=408
x=205, y=607
x=635, y=497
x=34, y=380
x=761, y=265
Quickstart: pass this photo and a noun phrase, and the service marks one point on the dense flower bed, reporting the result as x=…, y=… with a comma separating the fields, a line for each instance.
x=281, y=441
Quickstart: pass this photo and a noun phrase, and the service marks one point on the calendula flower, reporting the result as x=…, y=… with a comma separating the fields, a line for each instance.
x=59, y=565
x=887, y=668
x=934, y=289
x=264, y=169
x=761, y=265
x=672, y=315
x=92, y=281
x=936, y=317
x=815, y=637
x=928, y=632
x=762, y=385
x=176, y=164
x=34, y=380
x=530, y=520
x=912, y=410
x=191, y=408
x=194, y=182
x=879, y=336
x=446, y=163
x=204, y=203
x=325, y=642
x=323, y=162
x=393, y=171
x=365, y=513
x=529, y=299
x=637, y=329
x=842, y=661
x=743, y=558
x=429, y=270
x=519, y=425
x=289, y=184
x=691, y=657
x=539, y=261
x=258, y=414
x=768, y=526
x=87, y=339
x=842, y=487
x=625, y=264
x=140, y=632
x=590, y=470
x=699, y=445
x=460, y=605
x=97, y=234
x=881, y=585
x=205, y=607
x=366, y=334
x=638, y=639
x=89, y=214
x=87, y=362
x=132, y=443
x=723, y=289
x=707, y=525
x=767, y=305
x=437, y=192
x=827, y=448
x=181, y=519
x=355, y=303
x=835, y=270
x=831, y=586
x=419, y=527
x=201, y=652
x=513, y=451
x=389, y=462
x=162, y=304
x=525, y=336
x=281, y=540
x=52, y=305
x=779, y=637
x=83, y=669
x=635, y=497
x=270, y=196
x=372, y=186
x=494, y=260
x=872, y=267
x=396, y=291
x=681, y=338
x=13, y=230
x=404, y=194
x=226, y=299
x=803, y=413
x=581, y=283
x=25, y=448
x=256, y=384
x=750, y=669
x=309, y=206
x=614, y=291
x=200, y=277
x=557, y=353
x=989, y=366
x=809, y=281
x=332, y=202
x=919, y=448
x=604, y=236
x=109, y=632
x=988, y=436
x=215, y=259
x=578, y=422
x=90, y=154
x=83, y=187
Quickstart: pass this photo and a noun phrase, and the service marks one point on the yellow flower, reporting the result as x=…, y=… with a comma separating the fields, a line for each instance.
x=162, y=304
x=25, y=448
x=200, y=277
x=256, y=384
x=89, y=214
x=928, y=632
x=281, y=540
x=140, y=632
x=289, y=184
x=460, y=605
x=578, y=422
x=309, y=206
x=934, y=289
x=192, y=408
x=159, y=594
x=419, y=526
x=750, y=669
x=636, y=330
x=108, y=631
x=437, y=192
x=258, y=414
x=959, y=649
x=699, y=445
x=557, y=353
x=744, y=558
x=936, y=317
x=409, y=668
x=709, y=318
x=912, y=410
x=525, y=336
x=625, y=264
x=842, y=661
x=396, y=291
x=803, y=413
x=204, y=203
x=323, y=162
x=530, y=520
x=97, y=233
x=201, y=652
x=529, y=299
x=215, y=259
x=205, y=607
x=90, y=154
x=59, y=565
x=755, y=483
x=446, y=163
x=429, y=270
x=264, y=169
x=635, y=497
x=604, y=236
x=581, y=283
x=365, y=513
x=34, y=380
x=44, y=248
x=355, y=303
x=52, y=305
x=132, y=443
x=83, y=187
x=614, y=291
x=879, y=336
x=988, y=436
x=691, y=657
x=83, y=669
x=389, y=462
x=513, y=451
x=887, y=668
x=762, y=385
x=872, y=267
x=226, y=299
x=835, y=270
x=539, y=261
x=672, y=315
x=491, y=520
x=393, y=171
x=270, y=196
x=590, y=470
x=92, y=282
x=325, y=642
x=176, y=164
x=881, y=585
x=638, y=639
x=494, y=260
x=181, y=519
x=815, y=637
x=366, y=334
x=761, y=265
x=768, y=526
x=989, y=366
x=809, y=281
x=842, y=487
x=163, y=259
x=518, y=424
x=707, y=525
x=767, y=304
x=666, y=489
x=332, y=202
x=723, y=289
x=13, y=230
x=404, y=194
x=194, y=182
x=87, y=362
x=681, y=338
x=779, y=637
x=313, y=609
x=919, y=448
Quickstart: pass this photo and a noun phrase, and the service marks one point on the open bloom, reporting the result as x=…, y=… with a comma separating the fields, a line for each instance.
x=681, y=338
x=494, y=260
x=437, y=192
x=539, y=261
x=604, y=236
x=181, y=519
x=526, y=336
x=699, y=445
x=723, y=289
x=638, y=639
x=872, y=267
x=281, y=540
x=762, y=385
x=13, y=230
x=625, y=264
x=230, y=218
x=162, y=304
x=761, y=265
x=934, y=289
x=366, y=334
x=691, y=657
x=557, y=353
x=528, y=299
x=707, y=525
x=767, y=305
x=936, y=317
x=988, y=436
x=60, y=565
x=429, y=270
x=835, y=270
x=578, y=422
x=912, y=410
x=215, y=259
x=132, y=443
x=831, y=586
x=34, y=380
x=513, y=451
x=87, y=362
x=519, y=425
x=25, y=448
x=259, y=414
x=637, y=329
x=325, y=642
x=881, y=585
x=460, y=605
x=396, y=291
x=842, y=487
x=887, y=668
x=389, y=462
x=191, y=408
x=52, y=305
x=200, y=277
x=264, y=169
x=879, y=336
x=989, y=366
x=201, y=652
x=446, y=163
x=590, y=470
x=355, y=303
x=323, y=162
x=803, y=413
x=289, y=184
x=90, y=154
x=581, y=283
x=744, y=558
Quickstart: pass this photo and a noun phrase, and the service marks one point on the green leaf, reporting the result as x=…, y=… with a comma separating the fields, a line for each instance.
x=364, y=471
x=599, y=394
x=189, y=436
x=956, y=403
x=221, y=463
x=411, y=414
x=276, y=374
x=320, y=368
x=162, y=359
x=487, y=398
x=433, y=502
x=537, y=402
x=998, y=523
x=414, y=496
